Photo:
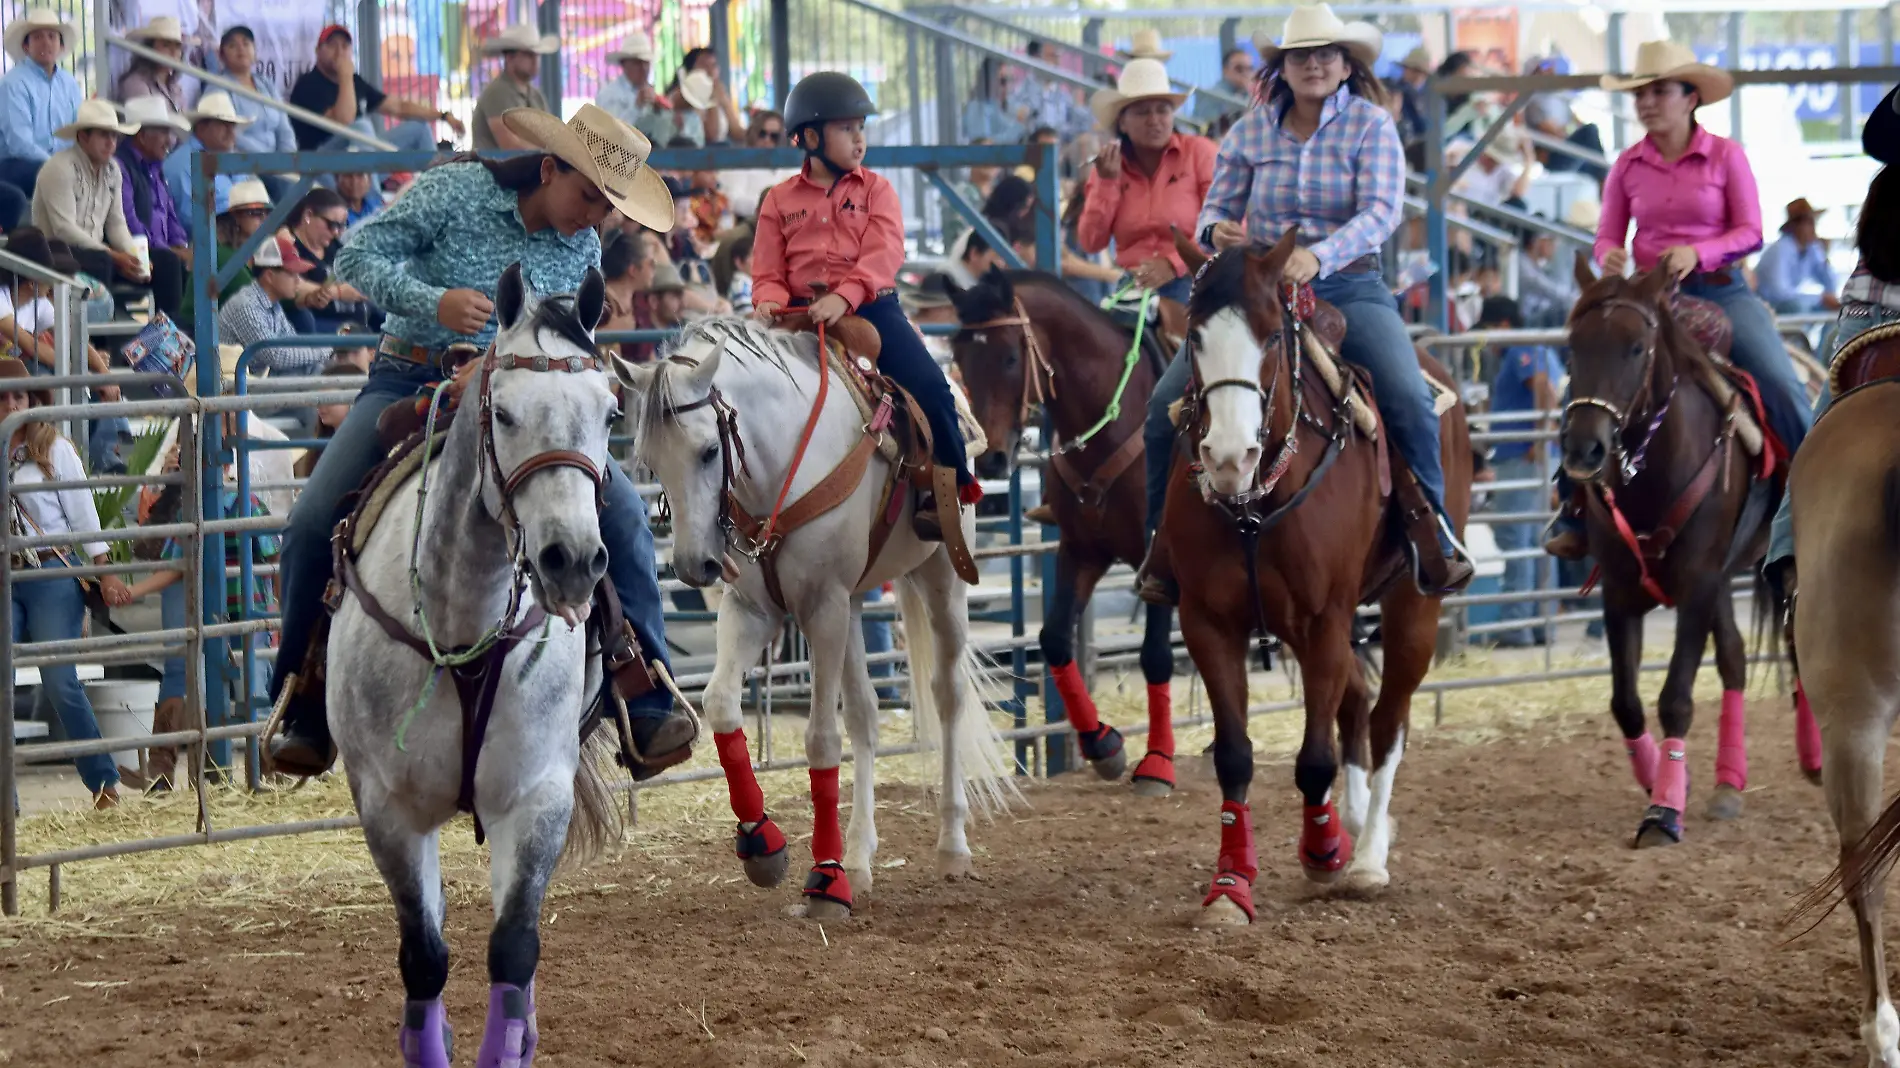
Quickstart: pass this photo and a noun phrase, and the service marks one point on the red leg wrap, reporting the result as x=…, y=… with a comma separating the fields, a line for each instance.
x=827, y=880
x=735, y=758
x=1807, y=733
x=1075, y=698
x=1731, y=753
x=1161, y=718
x=1234, y=874
x=827, y=842
x=1324, y=843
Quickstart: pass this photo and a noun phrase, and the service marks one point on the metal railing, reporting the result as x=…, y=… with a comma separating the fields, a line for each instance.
x=236, y=88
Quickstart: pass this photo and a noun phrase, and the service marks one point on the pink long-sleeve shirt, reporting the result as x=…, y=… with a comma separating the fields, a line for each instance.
x=1137, y=210
x=1706, y=199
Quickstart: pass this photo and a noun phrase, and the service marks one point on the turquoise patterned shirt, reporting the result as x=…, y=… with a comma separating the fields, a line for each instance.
x=454, y=228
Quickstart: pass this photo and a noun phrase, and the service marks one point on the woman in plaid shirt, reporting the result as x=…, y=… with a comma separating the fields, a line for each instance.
x=1322, y=153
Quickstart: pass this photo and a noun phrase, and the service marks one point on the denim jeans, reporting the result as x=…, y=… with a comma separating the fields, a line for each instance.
x=21, y=173
x=909, y=364
x=1757, y=349
x=305, y=566
x=1375, y=340
x=877, y=639
x=54, y=610
x=1520, y=576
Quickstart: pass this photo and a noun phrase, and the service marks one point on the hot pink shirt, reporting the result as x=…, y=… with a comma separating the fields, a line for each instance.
x=1137, y=210
x=1706, y=200
x=850, y=237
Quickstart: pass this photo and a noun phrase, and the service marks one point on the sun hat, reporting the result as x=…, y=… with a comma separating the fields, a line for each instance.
x=1583, y=214
x=1315, y=26
x=1142, y=79
x=217, y=105
x=522, y=37
x=666, y=279
x=11, y=367
x=1146, y=44
x=1667, y=61
x=281, y=254
x=1506, y=147
x=153, y=110
x=635, y=45
x=162, y=28
x=249, y=193
x=37, y=18
x=1799, y=210
x=610, y=153
x=696, y=88
x=1418, y=59
x=95, y=114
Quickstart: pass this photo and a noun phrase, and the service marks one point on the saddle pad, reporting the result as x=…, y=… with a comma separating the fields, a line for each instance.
x=1705, y=321
x=854, y=372
x=1870, y=355
x=380, y=486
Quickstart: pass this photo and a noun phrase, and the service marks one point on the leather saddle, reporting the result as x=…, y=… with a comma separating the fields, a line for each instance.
x=1869, y=356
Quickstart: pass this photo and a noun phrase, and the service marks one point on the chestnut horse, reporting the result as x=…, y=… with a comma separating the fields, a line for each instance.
x=1673, y=506
x=1028, y=342
x=1291, y=484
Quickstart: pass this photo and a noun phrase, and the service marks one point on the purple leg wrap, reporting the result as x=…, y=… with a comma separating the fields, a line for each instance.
x=509, y=1038
x=425, y=1035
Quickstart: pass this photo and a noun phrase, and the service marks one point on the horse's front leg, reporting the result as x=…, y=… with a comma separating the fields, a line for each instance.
x=1219, y=649
x=407, y=857
x=860, y=721
x=525, y=839
x=1662, y=823
x=1154, y=776
x=1623, y=633
x=744, y=629
x=828, y=624
x=1075, y=583
x=1731, y=755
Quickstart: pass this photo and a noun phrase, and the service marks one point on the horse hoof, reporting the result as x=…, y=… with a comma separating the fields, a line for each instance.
x=1222, y=912
x=1110, y=767
x=1152, y=788
x=769, y=870
x=954, y=866
x=1660, y=827
x=1813, y=775
x=1725, y=803
x=1367, y=881
x=820, y=910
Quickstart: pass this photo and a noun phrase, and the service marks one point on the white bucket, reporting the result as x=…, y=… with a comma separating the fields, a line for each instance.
x=124, y=710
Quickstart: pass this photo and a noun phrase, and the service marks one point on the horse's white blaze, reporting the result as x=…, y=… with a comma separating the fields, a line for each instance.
x=1230, y=452
x=1881, y=1032
x=1352, y=809
x=1369, y=859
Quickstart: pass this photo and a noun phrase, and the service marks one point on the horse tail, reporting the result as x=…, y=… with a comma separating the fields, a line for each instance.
x=595, y=823
x=988, y=773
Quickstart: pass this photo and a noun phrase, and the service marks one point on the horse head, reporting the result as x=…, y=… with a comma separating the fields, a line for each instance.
x=989, y=353
x=1234, y=320
x=1615, y=331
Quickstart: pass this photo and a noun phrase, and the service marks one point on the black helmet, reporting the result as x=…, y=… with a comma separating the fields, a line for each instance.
x=827, y=96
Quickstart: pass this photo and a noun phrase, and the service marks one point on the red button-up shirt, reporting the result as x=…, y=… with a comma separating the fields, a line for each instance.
x=1138, y=209
x=849, y=237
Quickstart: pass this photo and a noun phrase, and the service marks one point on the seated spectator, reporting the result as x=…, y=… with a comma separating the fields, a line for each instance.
x=746, y=188
x=360, y=198
x=1798, y=256
x=326, y=304
x=26, y=310
x=328, y=416
x=1546, y=283
x=666, y=296
x=720, y=119
x=631, y=97
x=253, y=313
x=628, y=266
x=37, y=97
x=214, y=128
x=678, y=123
x=148, y=207
x=147, y=78
x=79, y=201
x=333, y=89
x=1414, y=71
x=711, y=208
x=988, y=117
x=1052, y=104
x=1551, y=116
x=244, y=209
x=721, y=259
x=970, y=259
x=269, y=129
x=739, y=292
x=1502, y=173
x=520, y=47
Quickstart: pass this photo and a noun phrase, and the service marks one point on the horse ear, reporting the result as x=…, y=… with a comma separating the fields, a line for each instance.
x=590, y=304
x=511, y=295
x=636, y=377
x=1273, y=261
x=1586, y=277
x=1189, y=250
x=702, y=376
x=1653, y=284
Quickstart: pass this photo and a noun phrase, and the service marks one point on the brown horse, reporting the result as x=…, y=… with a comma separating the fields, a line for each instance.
x=1673, y=506
x=1289, y=539
x=1028, y=342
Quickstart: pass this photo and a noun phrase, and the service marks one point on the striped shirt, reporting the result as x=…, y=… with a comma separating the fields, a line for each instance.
x=1343, y=187
x=1863, y=288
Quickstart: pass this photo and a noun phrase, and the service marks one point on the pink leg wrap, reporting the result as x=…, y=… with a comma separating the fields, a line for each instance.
x=1643, y=758
x=1731, y=754
x=735, y=758
x=827, y=842
x=1161, y=718
x=1807, y=733
x=1672, y=777
x=1075, y=698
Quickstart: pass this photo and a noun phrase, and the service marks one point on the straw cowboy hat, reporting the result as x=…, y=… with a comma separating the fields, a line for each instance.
x=162, y=28
x=1315, y=26
x=696, y=88
x=1583, y=214
x=37, y=18
x=153, y=110
x=217, y=105
x=95, y=115
x=522, y=37
x=1418, y=59
x=666, y=279
x=249, y=193
x=635, y=45
x=610, y=153
x=1146, y=44
x=1507, y=147
x=1667, y=61
x=1142, y=79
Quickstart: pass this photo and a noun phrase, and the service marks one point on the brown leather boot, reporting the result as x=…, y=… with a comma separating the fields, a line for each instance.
x=1042, y=514
x=1155, y=582
x=302, y=745
x=924, y=521
x=1434, y=571
x=1564, y=538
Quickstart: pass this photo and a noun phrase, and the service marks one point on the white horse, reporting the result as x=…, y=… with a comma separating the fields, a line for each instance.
x=510, y=501
x=723, y=415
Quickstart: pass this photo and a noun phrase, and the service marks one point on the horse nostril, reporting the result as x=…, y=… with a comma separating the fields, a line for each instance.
x=711, y=571
x=554, y=559
x=599, y=562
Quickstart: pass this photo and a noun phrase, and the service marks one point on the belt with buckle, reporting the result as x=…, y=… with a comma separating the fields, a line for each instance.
x=1720, y=278
x=444, y=359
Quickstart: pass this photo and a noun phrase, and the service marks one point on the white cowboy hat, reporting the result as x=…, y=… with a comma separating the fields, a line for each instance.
x=1316, y=26
x=249, y=193
x=217, y=104
x=522, y=37
x=95, y=115
x=37, y=18
x=696, y=88
x=162, y=28
x=635, y=45
x=1142, y=79
x=610, y=153
x=153, y=110
x=1583, y=214
x=1667, y=61
x=1507, y=147
x=1146, y=44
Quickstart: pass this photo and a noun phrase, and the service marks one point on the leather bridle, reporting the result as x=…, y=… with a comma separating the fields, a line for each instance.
x=1625, y=417
x=1039, y=377
x=552, y=459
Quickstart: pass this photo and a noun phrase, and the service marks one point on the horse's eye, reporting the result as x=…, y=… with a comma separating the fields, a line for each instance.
x=505, y=418
x=613, y=417
x=709, y=455
x=1636, y=350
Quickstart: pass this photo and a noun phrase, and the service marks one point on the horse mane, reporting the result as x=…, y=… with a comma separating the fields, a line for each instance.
x=1221, y=284
x=994, y=297
x=1673, y=336
x=748, y=343
x=557, y=314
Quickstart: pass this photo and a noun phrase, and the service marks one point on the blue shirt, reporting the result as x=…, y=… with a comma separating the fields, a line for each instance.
x=1785, y=265
x=1512, y=393
x=269, y=130
x=33, y=104
x=454, y=229
x=179, y=167
x=372, y=203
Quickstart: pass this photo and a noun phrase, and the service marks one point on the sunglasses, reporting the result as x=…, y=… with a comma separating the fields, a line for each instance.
x=1323, y=55
x=774, y=136
x=335, y=226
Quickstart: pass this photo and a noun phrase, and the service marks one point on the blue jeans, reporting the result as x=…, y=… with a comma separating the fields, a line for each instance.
x=22, y=173
x=305, y=567
x=1520, y=576
x=53, y=610
x=905, y=359
x=1375, y=340
x=1758, y=350
x=877, y=639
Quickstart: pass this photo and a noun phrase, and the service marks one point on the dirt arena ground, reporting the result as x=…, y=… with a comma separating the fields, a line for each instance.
x=1520, y=930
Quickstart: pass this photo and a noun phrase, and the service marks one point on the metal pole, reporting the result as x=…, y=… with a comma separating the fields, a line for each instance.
x=208, y=580
x=219, y=81
x=1886, y=35
x=1018, y=623
x=1734, y=63
x=1437, y=238
x=1613, y=38
x=781, y=52
x=9, y=776
x=554, y=67
x=914, y=84
x=369, y=45
x=1049, y=196
x=719, y=18
x=946, y=71
x=1843, y=57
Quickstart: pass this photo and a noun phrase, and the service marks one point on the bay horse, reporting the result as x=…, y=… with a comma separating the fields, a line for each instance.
x=719, y=424
x=508, y=506
x=1673, y=505
x=1292, y=529
x=1029, y=344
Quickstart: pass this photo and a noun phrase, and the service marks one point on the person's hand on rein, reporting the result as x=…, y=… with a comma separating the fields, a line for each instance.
x=829, y=308
x=1154, y=273
x=1301, y=267
x=765, y=312
x=1229, y=234
x=1679, y=262
x=1615, y=260
x=464, y=311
